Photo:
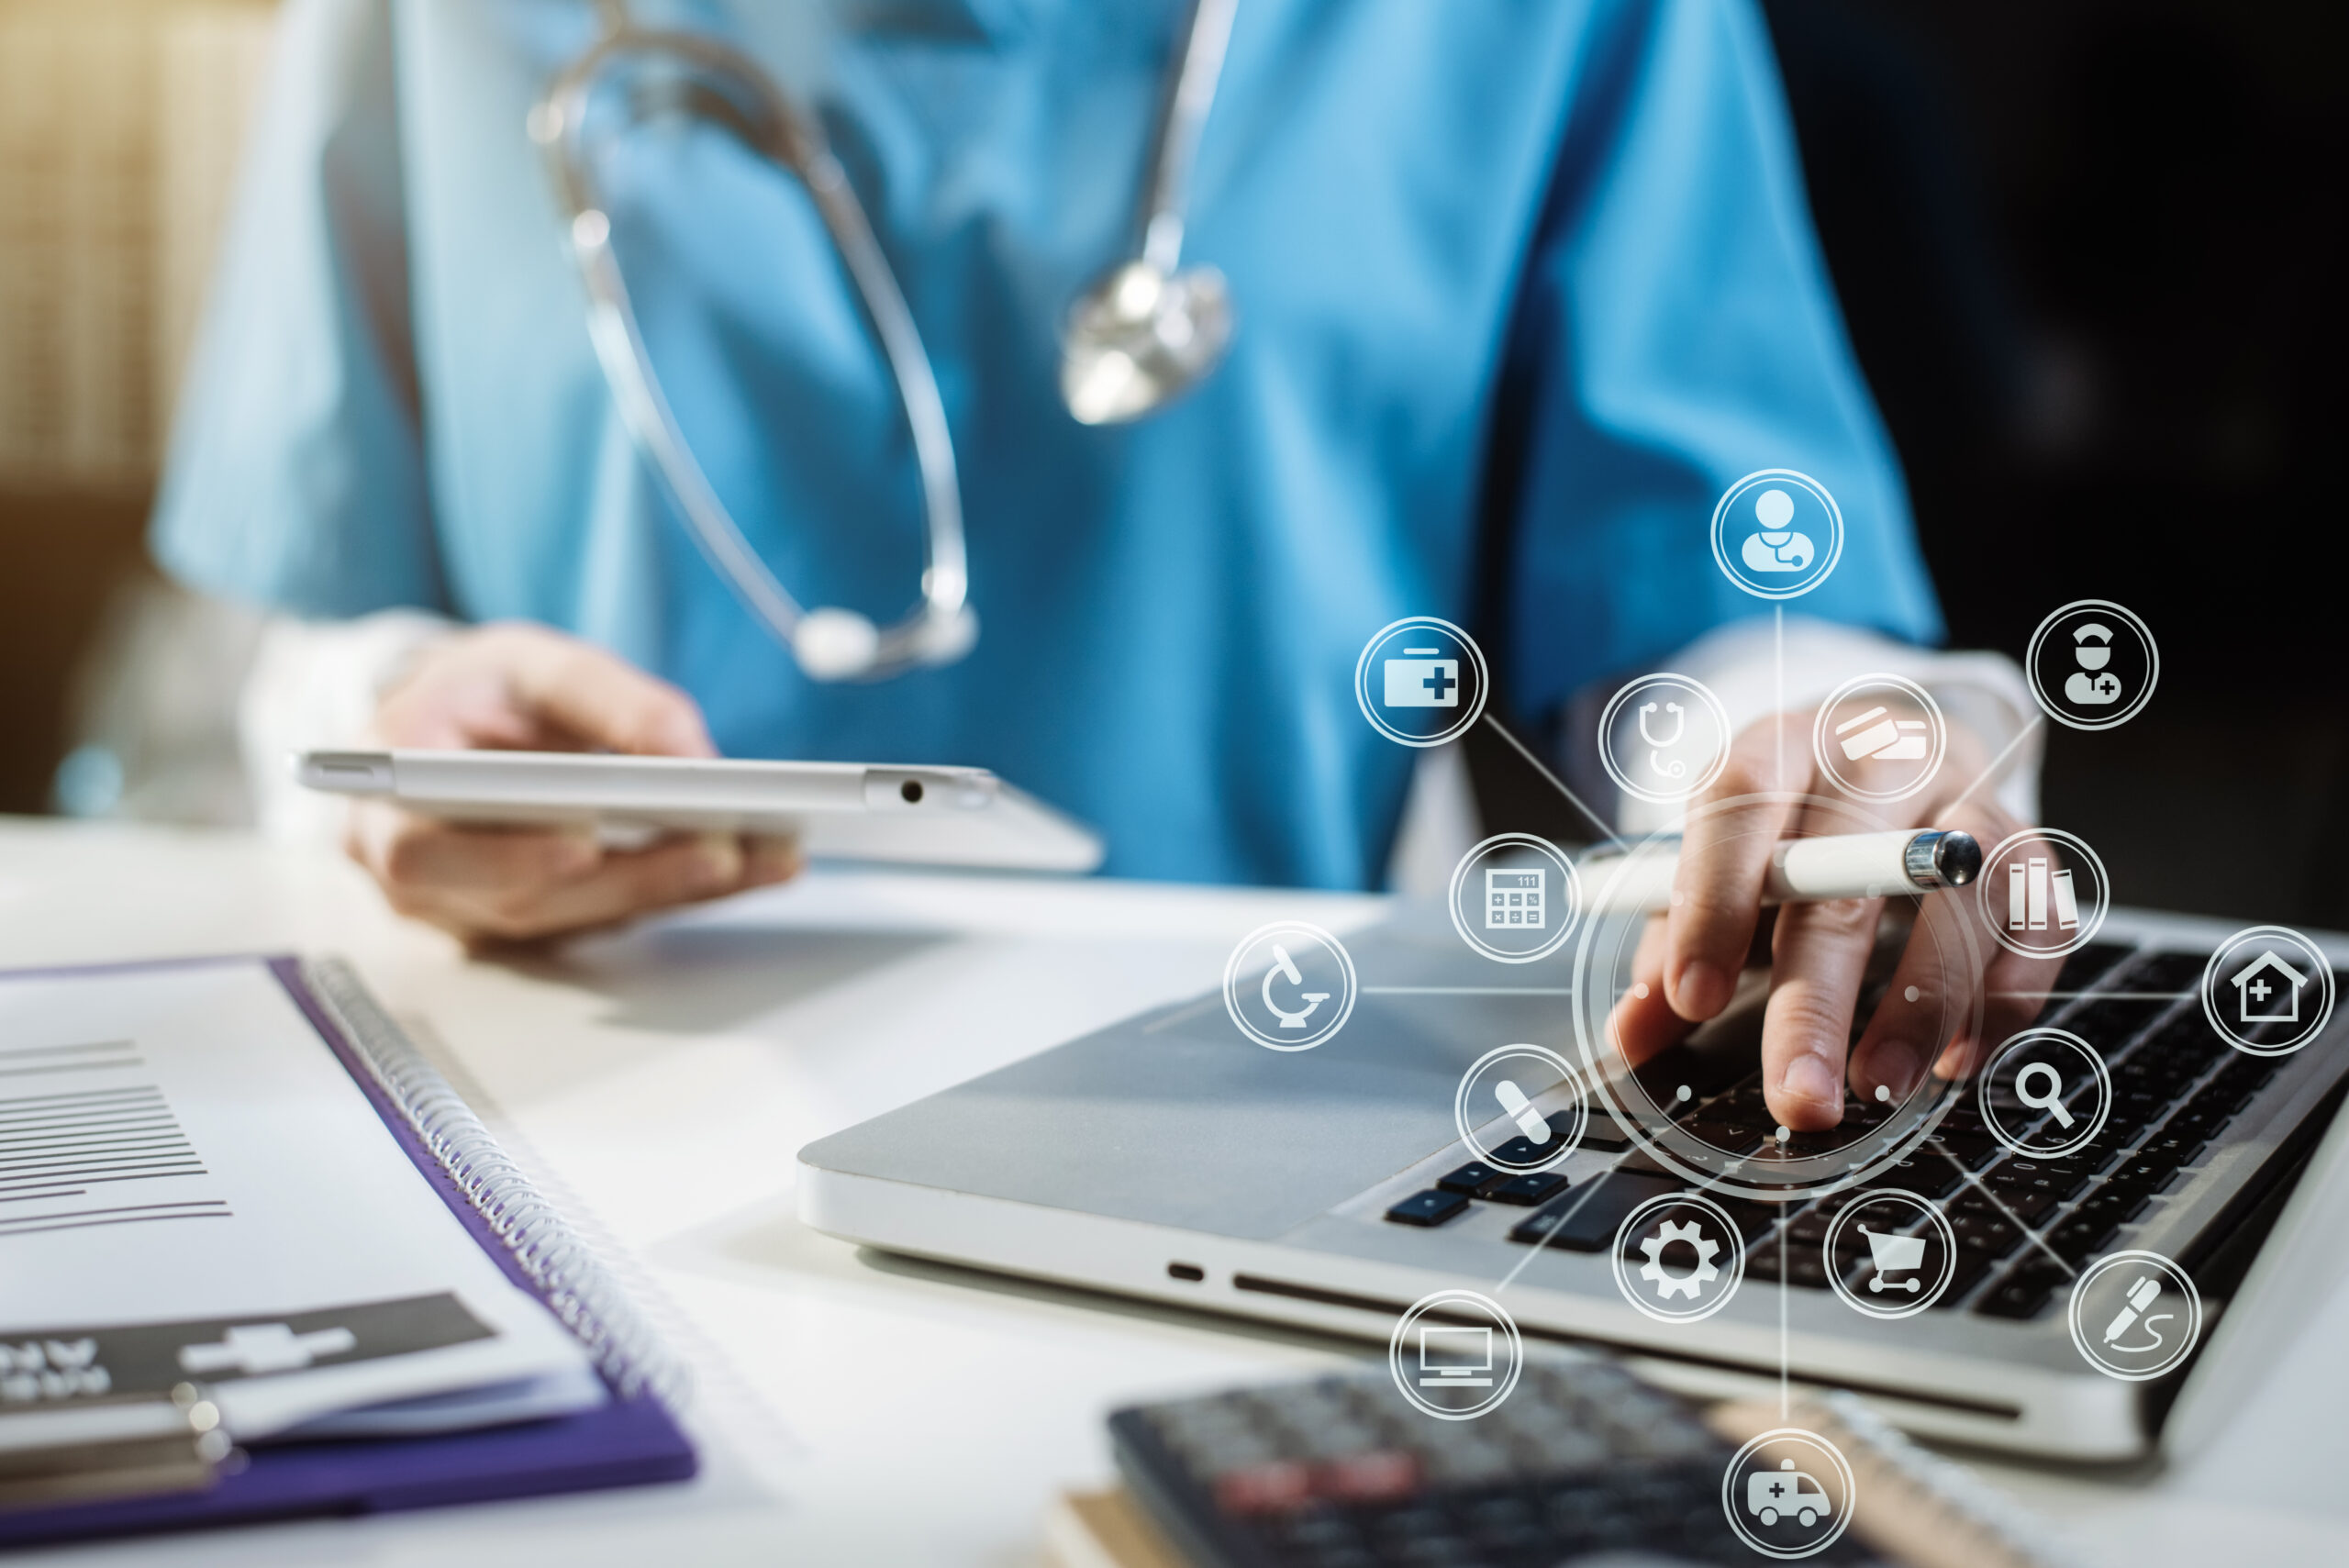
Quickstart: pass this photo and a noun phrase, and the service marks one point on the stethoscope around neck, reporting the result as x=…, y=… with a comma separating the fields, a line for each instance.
x=1142, y=335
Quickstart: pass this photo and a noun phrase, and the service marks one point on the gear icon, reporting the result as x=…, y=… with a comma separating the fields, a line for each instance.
x=1668, y=1284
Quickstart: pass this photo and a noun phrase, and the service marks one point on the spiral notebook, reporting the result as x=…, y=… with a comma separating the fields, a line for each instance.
x=234, y=1196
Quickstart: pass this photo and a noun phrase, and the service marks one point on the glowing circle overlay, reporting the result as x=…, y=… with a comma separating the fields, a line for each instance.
x=2322, y=976
x=1308, y=933
x=1818, y=1444
x=1984, y=899
x=2085, y=1129
x=1782, y=479
x=1614, y=711
x=1611, y=934
x=2136, y=704
x=1911, y=1304
x=2135, y=1258
x=1731, y=1273
x=1824, y=748
x=1469, y=713
x=1456, y=1304
x=1568, y=1141
x=1569, y=897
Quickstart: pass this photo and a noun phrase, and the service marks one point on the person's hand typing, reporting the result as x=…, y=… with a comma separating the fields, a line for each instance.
x=1687, y=966
x=518, y=686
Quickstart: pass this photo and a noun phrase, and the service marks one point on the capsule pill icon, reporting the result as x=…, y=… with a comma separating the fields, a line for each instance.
x=1529, y=1120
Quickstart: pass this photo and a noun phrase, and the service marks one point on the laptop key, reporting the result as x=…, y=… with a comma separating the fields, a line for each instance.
x=2014, y=1298
x=1429, y=1208
x=1591, y=1212
x=1521, y=1151
x=1529, y=1189
x=1964, y=1275
x=1471, y=1180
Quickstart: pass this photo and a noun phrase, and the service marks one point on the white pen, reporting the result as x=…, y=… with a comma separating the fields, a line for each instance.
x=1847, y=865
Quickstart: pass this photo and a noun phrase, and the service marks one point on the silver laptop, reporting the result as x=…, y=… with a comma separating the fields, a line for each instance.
x=1169, y=1157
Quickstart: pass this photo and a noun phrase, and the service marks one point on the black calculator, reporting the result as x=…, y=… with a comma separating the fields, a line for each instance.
x=1582, y=1459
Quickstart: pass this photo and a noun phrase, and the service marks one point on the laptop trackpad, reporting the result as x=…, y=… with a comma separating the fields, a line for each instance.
x=1188, y=1123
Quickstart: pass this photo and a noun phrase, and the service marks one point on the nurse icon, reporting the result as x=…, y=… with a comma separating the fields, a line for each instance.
x=2103, y=686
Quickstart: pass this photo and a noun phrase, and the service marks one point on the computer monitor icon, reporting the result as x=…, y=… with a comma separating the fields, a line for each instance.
x=1455, y=1357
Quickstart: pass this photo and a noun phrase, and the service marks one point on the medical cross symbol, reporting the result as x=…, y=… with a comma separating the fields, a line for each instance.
x=255, y=1348
x=1439, y=683
x=2259, y=990
x=1777, y=1488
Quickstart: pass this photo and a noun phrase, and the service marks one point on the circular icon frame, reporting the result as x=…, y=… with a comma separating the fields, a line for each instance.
x=1823, y=561
x=2138, y=1258
x=1706, y=1271
x=1844, y=1513
x=1470, y=712
x=1264, y=933
x=1824, y=746
x=1456, y=1300
x=2023, y=1040
x=1614, y=710
x=1570, y=895
x=1568, y=1142
x=2136, y=705
x=1612, y=924
x=2089, y=924
x=1919, y=1297
x=2226, y=950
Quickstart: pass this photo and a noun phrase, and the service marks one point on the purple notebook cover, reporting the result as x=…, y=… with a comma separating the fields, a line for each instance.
x=628, y=1441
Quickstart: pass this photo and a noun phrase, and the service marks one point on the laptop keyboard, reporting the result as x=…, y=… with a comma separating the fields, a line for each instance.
x=2175, y=1084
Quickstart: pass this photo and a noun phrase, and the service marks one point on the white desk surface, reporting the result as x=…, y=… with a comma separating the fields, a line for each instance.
x=851, y=1409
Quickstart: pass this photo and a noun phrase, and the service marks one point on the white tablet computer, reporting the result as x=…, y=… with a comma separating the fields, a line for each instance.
x=943, y=816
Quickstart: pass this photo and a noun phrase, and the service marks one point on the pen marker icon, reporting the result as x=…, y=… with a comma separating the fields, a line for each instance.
x=1529, y=1120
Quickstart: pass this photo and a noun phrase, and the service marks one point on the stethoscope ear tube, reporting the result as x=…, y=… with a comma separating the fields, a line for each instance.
x=829, y=644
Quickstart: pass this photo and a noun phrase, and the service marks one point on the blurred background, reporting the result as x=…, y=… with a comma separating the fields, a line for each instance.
x=2091, y=253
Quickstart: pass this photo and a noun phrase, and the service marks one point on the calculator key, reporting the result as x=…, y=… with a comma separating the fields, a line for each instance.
x=1429, y=1208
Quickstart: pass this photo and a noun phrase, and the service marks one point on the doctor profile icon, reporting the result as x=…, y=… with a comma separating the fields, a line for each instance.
x=1778, y=534
x=1289, y=985
x=1776, y=547
x=2092, y=665
x=1663, y=738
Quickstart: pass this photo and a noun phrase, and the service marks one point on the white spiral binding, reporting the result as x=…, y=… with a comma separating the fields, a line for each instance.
x=576, y=1285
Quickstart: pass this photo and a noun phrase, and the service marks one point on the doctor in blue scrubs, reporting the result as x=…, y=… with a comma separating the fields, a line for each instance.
x=1529, y=280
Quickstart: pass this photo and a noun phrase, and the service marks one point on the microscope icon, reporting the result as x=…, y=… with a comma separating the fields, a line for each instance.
x=1285, y=967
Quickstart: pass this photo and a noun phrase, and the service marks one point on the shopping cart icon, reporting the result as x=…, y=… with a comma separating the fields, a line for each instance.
x=1892, y=1255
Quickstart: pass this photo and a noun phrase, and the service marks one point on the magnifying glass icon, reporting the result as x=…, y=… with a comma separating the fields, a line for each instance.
x=2051, y=1101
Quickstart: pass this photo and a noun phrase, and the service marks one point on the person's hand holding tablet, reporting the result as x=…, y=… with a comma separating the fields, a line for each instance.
x=1685, y=968
x=515, y=686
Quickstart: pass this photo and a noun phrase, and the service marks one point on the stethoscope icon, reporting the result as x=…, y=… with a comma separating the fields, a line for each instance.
x=1286, y=966
x=1676, y=769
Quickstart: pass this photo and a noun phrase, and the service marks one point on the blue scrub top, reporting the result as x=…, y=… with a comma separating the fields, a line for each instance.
x=1579, y=225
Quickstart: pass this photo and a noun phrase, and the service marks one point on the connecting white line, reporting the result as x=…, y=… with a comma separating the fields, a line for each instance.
x=1571, y=1209
x=1996, y=763
x=2099, y=995
x=1604, y=832
x=1786, y=1355
x=2036, y=1240
x=1779, y=688
x=1468, y=990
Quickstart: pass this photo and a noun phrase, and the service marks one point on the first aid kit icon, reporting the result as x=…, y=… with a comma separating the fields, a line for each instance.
x=1423, y=679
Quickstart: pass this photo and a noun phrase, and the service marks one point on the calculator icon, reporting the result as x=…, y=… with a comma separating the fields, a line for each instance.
x=1513, y=900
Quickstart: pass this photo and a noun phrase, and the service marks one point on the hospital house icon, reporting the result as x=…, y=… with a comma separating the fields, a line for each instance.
x=2254, y=990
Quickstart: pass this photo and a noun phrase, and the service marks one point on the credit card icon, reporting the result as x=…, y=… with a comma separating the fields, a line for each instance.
x=1882, y=739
